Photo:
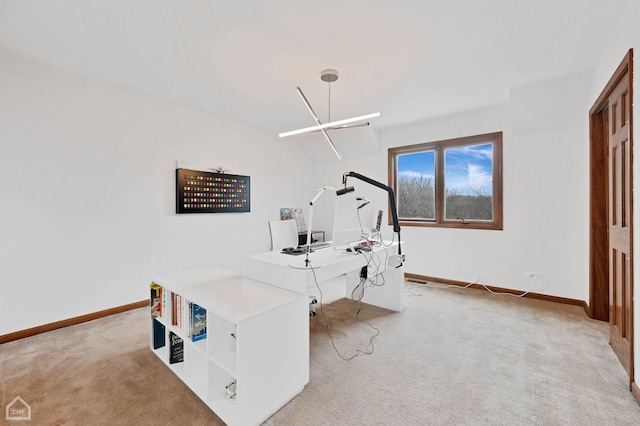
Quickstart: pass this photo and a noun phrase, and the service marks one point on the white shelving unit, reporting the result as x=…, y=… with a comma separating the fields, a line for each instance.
x=257, y=336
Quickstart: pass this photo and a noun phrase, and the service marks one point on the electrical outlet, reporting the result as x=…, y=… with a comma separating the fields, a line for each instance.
x=531, y=275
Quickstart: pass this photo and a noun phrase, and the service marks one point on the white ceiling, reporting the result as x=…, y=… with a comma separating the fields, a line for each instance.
x=242, y=60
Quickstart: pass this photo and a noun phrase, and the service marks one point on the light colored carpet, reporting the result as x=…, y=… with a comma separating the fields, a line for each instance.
x=454, y=357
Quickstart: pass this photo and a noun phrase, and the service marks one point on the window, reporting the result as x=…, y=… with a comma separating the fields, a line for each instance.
x=454, y=183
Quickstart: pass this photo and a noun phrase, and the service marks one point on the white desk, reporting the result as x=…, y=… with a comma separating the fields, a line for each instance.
x=289, y=272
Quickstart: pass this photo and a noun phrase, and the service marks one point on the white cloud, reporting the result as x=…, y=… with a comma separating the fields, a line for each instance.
x=478, y=177
x=481, y=152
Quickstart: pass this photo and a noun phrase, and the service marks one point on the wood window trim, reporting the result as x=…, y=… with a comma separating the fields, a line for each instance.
x=439, y=222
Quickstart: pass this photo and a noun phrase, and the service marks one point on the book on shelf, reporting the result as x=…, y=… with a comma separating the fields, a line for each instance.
x=179, y=311
x=163, y=309
x=158, y=334
x=176, y=310
x=197, y=322
x=156, y=300
x=176, y=348
x=173, y=310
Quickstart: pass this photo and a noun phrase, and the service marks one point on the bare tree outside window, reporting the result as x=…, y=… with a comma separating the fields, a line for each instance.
x=452, y=183
x=416, y=197
x=416, y=191
x=464, y=206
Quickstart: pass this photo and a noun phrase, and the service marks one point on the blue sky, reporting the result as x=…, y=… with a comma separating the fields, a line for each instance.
x=465, y=166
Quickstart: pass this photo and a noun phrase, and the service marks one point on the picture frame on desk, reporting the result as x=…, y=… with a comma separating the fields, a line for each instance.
x=285, y=213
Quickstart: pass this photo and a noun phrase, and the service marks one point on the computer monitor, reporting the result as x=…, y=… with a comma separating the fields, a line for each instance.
x=352, y=221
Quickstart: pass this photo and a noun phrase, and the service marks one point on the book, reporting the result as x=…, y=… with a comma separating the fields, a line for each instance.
x=156, y=300
x=197, y=322
x=189, y=312
x=178, y=311
x=177, y=314
x=174, y=321
x=163, y=308
x=158, y=334
x=176, y=348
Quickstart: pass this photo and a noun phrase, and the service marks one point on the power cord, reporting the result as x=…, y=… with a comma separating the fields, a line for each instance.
x=446, y=286
x=324, y=318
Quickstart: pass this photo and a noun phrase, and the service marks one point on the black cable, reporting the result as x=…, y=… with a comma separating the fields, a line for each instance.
x=324, y=318
x=360, y=285
x=374, y=261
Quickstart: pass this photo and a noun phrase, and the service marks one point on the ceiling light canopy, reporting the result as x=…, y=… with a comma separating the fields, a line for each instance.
x=329, y=76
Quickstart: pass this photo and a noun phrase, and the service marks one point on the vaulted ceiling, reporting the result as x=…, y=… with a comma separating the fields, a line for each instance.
x=242, y=60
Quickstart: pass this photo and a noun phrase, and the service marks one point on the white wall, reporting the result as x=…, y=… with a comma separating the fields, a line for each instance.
x=627, y=36
x=545, y=205
x=87, y=182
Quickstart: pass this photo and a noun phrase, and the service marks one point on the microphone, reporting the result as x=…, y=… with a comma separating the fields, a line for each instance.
x=345, y=190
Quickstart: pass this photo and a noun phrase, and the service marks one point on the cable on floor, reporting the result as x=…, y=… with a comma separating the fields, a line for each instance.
x=446, y=286
x=324, y=318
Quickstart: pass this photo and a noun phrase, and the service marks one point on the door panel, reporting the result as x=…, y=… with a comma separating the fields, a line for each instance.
x=620, y=220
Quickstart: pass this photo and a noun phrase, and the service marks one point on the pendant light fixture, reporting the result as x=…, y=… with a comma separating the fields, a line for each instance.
x=329, y=76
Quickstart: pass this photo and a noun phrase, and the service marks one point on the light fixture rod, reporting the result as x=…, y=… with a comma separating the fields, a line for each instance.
x=306, y=102
x=320, y=125
x=329, y=104
x=332, y=124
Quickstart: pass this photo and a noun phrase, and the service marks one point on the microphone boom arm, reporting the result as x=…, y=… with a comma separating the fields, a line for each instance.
x=392, y=201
